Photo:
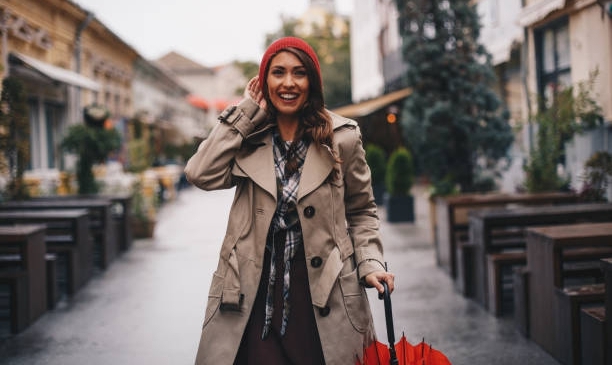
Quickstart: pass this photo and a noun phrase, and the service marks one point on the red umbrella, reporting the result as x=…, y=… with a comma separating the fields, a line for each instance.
x=401, y=353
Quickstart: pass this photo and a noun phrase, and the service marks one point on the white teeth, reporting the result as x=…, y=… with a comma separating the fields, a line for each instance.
x=288, y=96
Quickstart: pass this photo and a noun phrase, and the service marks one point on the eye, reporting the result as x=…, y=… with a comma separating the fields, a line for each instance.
x=277, y=72
x=300, y=72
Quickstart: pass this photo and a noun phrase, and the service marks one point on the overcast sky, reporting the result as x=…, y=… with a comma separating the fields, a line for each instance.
x=211, y=32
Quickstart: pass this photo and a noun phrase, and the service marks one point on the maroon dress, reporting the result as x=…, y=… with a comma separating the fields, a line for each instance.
x=301, y=343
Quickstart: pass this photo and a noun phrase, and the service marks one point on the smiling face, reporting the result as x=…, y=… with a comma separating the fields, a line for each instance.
x=287, y=84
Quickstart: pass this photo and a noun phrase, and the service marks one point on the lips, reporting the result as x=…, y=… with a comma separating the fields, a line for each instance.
x=288, y=97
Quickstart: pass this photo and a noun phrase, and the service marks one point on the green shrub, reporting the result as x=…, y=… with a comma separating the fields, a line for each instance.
x=375, y=157
x=400, y=173
x=92, y=144
x=597, y=173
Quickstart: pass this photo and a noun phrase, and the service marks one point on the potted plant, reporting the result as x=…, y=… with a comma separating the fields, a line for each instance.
x=375, y=157
x=399, y=179
x=144, y=206
x=91, y=142
x=145, y=190
x=597, y=174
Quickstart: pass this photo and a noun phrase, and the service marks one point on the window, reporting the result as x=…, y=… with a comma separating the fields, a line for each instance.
x=553, y=58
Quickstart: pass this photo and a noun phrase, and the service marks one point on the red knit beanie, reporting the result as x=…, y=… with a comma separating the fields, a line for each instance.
x=279, y=45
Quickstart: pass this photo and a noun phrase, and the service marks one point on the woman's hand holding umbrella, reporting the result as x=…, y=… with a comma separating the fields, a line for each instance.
x=376, y=278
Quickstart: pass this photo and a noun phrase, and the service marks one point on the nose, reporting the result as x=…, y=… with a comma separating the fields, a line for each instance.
x=288, y=80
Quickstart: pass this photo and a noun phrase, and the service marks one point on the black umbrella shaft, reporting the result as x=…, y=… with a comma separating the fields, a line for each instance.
x=389, y=320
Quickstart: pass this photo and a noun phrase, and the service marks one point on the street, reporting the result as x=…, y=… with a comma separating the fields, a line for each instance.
x=148, y=306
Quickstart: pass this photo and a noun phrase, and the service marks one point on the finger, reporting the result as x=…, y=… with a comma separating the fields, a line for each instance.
x=379, y=287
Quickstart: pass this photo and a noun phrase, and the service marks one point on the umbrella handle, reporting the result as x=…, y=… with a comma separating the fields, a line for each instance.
x=386, y=295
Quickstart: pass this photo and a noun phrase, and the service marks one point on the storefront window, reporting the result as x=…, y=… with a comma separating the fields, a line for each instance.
x=553, y=58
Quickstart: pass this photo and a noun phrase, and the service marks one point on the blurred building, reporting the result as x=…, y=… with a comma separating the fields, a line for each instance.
x=376, y=73
x=211, y=88
x=536, y=45
x=376, y=55
x=564, y=42
x=67, y=59
x=161, y=103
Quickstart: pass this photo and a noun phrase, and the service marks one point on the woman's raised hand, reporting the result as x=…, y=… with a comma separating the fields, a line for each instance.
x=253, y=91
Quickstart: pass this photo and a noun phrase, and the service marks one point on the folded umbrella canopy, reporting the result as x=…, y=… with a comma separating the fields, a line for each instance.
x=401, y=353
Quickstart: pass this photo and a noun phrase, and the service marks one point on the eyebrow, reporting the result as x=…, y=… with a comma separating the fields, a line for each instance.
x=283, y=67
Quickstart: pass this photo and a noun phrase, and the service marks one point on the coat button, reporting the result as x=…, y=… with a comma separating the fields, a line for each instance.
x=324, y=312
x=309, y=211
x=316, y=261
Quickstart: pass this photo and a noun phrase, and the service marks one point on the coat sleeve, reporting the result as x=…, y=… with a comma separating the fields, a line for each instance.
x=361, y=213
x=210, y=167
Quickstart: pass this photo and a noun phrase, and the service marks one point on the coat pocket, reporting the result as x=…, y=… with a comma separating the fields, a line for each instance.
x=214, y=297
x=355, y=301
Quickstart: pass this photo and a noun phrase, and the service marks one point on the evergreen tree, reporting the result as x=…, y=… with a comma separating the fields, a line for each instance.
x=453, y=121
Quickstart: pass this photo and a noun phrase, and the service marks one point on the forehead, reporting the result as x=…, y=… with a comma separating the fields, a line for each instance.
x=285, y=59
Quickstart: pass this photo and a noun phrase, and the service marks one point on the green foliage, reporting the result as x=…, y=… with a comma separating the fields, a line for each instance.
x=249, y=68
x=92, y=145
x=15, y=135
x=453, y=118
x=569, y=111
x=598, y=171
x=334, y=55
x=400, y=172
x=179, y=152
x=443, y=187
x=139, y=155
x=375, y=157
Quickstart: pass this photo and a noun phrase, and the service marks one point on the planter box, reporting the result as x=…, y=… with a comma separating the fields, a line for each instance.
x=400, y=208
x=142, y=229
x=379, y=193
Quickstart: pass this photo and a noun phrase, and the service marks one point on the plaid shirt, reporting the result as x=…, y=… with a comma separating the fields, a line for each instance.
x=285, y=218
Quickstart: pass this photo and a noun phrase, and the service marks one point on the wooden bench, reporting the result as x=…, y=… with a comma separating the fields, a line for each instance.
x=26, y=282
x=560, y=259
x=596, y=326
x=68, y=236
x=487, y=227
x=100, y=222
x=121, y=212
x=593, y=334
x=451, y=219
x=566, y=310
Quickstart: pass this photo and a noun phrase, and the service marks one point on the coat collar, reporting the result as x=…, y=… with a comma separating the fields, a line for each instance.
x=259, y=164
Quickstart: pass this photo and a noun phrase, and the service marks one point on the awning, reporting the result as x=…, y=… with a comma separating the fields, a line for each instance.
x=538, y=11
x=198, y=102
x=370, y=106
x=56, y=73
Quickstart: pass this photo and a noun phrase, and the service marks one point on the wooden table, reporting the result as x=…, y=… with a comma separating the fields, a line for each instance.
x=485, y=223
x=28, y=280
x=548, y=249
x=100, y=222
x=452, y=217
x=67, y=235
x=121, y=212
x=606, y=266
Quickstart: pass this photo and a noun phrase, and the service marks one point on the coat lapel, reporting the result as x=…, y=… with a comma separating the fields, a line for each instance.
x=259, y=165
x=318, y=165
x=319, y=162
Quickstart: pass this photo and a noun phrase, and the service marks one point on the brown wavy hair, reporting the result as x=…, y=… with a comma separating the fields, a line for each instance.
x=315, y=124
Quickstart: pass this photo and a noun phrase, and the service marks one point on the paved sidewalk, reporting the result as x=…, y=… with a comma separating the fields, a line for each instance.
x=147, y=308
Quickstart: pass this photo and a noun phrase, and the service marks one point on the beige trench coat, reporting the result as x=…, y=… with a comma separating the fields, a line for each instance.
x=339, y=224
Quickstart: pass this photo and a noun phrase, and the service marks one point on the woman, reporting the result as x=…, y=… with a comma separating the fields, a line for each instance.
x=302, y=239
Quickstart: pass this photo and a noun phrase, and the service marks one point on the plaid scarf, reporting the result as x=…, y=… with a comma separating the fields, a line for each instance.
x=285, y=218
